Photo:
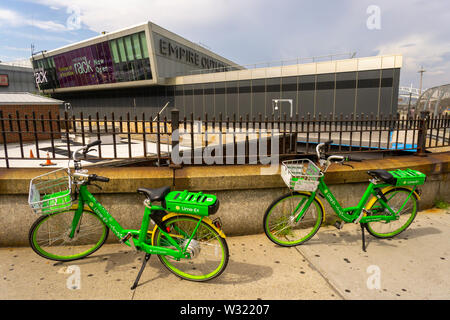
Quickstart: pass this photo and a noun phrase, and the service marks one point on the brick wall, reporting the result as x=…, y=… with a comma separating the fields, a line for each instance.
x=29, y=128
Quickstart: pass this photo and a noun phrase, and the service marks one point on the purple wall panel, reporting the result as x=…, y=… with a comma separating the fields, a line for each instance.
x=85, y=66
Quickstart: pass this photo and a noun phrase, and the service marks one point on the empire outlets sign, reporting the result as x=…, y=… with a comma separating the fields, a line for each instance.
x=187, y=55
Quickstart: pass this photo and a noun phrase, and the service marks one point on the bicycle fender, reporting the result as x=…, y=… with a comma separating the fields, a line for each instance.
x=205, y=219
x=384, y=190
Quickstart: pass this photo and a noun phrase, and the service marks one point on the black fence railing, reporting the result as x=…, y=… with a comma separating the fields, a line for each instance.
x=157, y=140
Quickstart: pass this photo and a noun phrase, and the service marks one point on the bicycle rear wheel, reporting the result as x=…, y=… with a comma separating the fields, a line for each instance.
x=396, y=198
x=280, y=224
x=208, y=250
x=49, y=235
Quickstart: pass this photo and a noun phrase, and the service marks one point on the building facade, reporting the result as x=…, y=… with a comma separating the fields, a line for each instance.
x=143, y=68
x=17, y=79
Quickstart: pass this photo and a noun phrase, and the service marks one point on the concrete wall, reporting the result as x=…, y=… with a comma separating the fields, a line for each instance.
x=244, y=191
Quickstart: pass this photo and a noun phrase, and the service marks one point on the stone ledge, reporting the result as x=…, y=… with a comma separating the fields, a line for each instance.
x=235, y=177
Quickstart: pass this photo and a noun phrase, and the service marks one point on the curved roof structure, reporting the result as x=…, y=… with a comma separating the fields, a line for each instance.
x=436, y=100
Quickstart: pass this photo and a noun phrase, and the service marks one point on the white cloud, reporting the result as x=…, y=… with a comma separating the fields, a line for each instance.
x=10, y=18
x=420, y=50
x=111, y=15
x=15, y=48
x=417, y=49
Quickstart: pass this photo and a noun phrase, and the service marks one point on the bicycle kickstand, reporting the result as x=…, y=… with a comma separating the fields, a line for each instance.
x=144, y=263
x=363, y=237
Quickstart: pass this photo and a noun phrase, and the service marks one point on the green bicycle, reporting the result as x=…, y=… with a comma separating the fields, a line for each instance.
x=295, y=217
x=74, y=224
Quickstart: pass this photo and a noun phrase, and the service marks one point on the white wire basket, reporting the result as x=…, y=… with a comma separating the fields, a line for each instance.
x=301, y=174
x=51, y=192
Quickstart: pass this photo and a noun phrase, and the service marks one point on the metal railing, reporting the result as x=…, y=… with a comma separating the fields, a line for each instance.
x=275, y=63
x=151, y=139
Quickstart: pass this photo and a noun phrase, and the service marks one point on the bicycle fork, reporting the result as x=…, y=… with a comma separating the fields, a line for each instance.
x=304, y=206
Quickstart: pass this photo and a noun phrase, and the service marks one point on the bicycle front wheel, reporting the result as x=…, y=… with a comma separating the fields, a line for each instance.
x=208, y=250
x=49, y=236
x=397, y=198
x=280, y=224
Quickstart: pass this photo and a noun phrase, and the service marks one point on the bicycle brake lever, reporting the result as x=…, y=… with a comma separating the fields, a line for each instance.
x=96, y=185
x=349, y=165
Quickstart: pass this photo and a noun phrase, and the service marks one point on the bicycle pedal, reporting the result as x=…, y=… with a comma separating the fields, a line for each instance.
x=129, y=237
x=339, y=225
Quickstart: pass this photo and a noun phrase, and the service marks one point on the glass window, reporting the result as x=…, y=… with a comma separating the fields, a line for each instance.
x=137, y=46
x=144, y=45
x=129, y=48
x=123, y=57
x=115, y=51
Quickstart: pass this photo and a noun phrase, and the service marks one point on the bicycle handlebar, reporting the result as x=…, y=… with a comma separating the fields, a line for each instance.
x=94, y=177
x=85, y=149
x=320, y=145
x=326, y=161
x=91, y=177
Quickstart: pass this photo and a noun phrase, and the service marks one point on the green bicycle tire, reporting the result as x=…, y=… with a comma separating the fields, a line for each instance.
x=206, y=244
x=48, y=236
x=274, y=220
x=407, y=216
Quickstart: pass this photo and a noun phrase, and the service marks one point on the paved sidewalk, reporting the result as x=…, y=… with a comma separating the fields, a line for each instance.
x=413, y=265
x=330, y=266
x=257, y=270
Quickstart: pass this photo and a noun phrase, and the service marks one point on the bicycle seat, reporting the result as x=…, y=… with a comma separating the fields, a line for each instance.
x=383, y=175
x=155, y=194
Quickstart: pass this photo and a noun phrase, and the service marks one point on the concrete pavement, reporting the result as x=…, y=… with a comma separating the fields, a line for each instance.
x=413, y=265
x=330, y=266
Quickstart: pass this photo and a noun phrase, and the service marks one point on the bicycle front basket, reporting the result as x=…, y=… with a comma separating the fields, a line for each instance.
x=51, y=192
x=301, y=175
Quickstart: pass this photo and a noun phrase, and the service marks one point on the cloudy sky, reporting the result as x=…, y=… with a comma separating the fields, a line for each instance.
x=249, y=31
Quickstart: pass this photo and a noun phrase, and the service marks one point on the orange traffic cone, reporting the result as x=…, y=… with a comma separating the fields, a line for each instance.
x=48, y=162
x=31, y=154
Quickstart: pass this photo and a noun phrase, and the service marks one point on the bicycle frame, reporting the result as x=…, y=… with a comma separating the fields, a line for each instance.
x=353, y=214
x=141, y=242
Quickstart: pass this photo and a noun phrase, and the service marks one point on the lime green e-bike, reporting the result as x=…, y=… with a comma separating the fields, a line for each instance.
x=73, y=224
x=387, y=207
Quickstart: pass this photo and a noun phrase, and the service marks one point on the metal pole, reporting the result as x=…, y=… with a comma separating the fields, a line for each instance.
x=421, y=71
